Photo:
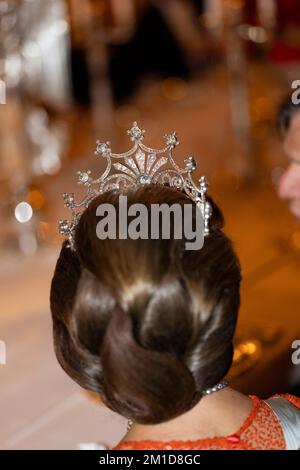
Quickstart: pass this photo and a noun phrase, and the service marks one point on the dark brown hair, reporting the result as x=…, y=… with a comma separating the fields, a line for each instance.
x=145, y=324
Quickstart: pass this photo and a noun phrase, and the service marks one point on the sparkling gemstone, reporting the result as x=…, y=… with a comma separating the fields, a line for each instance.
x=140, y=158
x=145, y=179
x=203, y=184
x=83, y=177
x=69, y=199
x=207, y=210
x=135, y=132
x=176, y=182
x=102, y=148
x=190, y=164
x=63, y=226
x=150, y=160
x=171, y=139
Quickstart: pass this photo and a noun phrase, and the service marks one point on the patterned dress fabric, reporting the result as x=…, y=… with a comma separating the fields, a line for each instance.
x=264, y=429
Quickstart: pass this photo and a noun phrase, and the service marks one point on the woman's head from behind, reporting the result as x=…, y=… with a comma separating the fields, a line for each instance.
x=145, y=323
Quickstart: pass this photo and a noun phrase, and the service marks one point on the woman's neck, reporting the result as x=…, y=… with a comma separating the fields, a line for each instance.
x=219, y=414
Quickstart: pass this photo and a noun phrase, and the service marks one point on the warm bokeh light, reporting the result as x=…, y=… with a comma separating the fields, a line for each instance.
x=23, y=212
x=36, y=199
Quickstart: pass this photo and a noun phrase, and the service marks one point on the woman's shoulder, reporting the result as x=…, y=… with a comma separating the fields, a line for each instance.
x=264, y=428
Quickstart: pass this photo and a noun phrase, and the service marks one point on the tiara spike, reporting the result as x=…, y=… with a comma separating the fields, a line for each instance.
x=140, y=165
x=171, y=140
x=135, y=132
x=103, y=148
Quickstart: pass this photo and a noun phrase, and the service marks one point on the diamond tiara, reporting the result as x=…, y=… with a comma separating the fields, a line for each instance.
x=141, y=165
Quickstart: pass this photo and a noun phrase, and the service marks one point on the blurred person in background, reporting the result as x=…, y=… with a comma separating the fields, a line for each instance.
x=168, y=40
x=142, y=38
x=288, y=120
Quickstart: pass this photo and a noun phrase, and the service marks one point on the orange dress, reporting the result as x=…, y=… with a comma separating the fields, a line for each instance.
x=261, y=430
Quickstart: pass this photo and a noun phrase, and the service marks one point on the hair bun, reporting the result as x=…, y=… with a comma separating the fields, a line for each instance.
x=138, y=381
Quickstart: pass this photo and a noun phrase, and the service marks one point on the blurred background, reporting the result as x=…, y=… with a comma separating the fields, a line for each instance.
x=72, y=72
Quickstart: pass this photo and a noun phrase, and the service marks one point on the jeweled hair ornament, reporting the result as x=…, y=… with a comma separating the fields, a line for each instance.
x=141, y=165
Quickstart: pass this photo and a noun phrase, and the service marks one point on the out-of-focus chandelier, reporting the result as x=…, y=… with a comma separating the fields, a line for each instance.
x=34, y=70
